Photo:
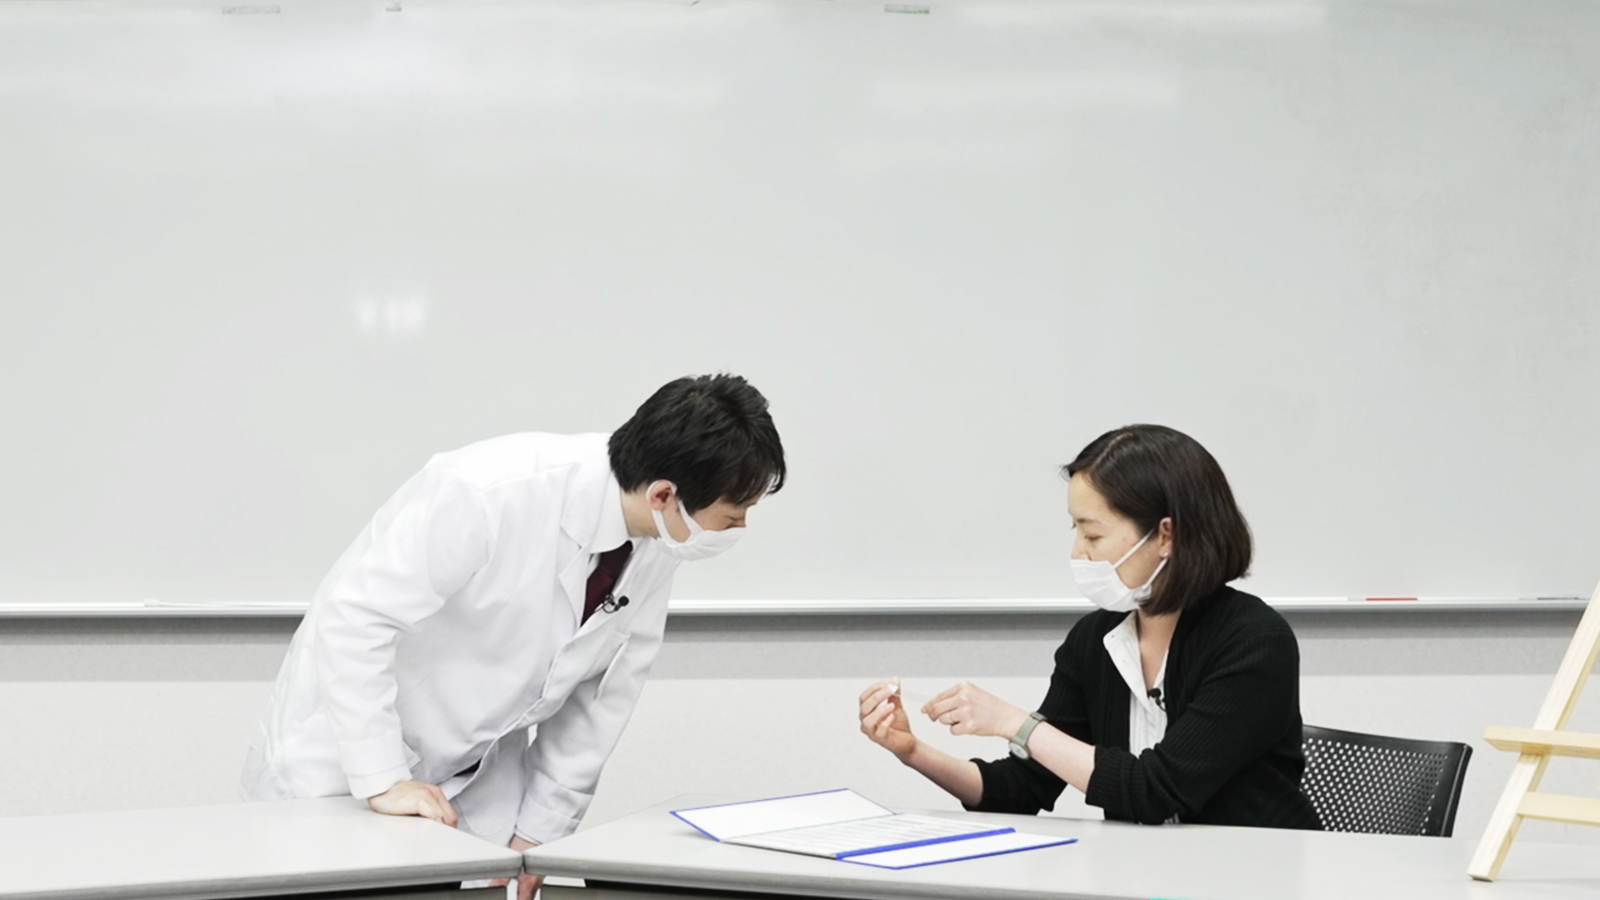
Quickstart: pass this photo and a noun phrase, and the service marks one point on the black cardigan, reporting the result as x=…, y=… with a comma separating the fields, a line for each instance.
x=1231, y=754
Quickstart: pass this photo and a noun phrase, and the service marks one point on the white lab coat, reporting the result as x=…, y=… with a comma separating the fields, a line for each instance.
x=448, y=635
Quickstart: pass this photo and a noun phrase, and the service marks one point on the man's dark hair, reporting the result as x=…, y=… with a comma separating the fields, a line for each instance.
x=710, y=435
x=1150, y=472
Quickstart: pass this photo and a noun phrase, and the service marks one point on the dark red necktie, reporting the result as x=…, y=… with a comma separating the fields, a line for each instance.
x=604, y=577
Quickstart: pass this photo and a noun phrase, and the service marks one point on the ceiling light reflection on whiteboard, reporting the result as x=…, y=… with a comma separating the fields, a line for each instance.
x=919, y=95
x=1220, y=13
x=872, y=156
x=400, y=316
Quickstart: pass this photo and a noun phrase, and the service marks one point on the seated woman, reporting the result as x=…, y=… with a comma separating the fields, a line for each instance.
x=1178, y=700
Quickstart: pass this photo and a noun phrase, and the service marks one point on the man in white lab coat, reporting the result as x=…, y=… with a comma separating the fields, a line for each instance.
x=514, y=587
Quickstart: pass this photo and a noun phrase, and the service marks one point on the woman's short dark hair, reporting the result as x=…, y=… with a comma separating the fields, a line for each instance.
x=710, y=435
x=1150, y=472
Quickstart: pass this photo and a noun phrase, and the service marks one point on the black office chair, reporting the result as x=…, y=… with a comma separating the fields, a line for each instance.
x=1383, y=785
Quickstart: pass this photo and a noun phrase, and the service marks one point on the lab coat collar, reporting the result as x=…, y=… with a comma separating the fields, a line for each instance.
x=591, y=491
x=612, y=530
x=593, y=497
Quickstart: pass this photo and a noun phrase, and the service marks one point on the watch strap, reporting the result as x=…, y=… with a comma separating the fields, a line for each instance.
x=1019, y=741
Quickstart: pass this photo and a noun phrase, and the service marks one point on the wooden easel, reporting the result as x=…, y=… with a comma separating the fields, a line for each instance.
x=1548, y=737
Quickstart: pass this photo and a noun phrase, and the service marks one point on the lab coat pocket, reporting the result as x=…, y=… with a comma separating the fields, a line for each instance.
x=612, y=666
x=578, y=664
x=588, y=657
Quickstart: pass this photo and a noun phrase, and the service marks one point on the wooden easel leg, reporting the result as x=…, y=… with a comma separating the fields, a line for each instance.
x=1576, y=665
x=1505, y=821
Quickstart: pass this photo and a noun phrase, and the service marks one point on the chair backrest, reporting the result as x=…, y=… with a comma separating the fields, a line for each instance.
x=1383, y=785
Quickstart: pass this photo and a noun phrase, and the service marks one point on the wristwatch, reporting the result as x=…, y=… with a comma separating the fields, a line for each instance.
x=1019, y=741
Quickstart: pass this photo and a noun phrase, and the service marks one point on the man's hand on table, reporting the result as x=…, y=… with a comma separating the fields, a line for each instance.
x=415, y=798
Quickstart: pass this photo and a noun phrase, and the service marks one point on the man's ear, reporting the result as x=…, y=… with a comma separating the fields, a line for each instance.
x=660, y=493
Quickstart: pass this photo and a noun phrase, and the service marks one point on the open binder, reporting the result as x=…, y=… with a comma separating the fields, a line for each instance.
x=846, y=826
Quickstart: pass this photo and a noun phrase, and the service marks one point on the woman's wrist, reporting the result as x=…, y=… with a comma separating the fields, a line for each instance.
x=1015, y=719
x=910, y=757
x=958, y=777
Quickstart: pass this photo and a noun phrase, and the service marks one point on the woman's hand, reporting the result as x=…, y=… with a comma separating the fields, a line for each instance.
x=969, y=709
x=884, y=719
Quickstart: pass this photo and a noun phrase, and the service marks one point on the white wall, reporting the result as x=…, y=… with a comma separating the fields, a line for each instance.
x=126, y=715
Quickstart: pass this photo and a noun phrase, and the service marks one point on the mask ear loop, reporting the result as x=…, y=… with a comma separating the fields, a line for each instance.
x=1152, y=579
x=660, y=515
x=694, y=528
x=1134, y=549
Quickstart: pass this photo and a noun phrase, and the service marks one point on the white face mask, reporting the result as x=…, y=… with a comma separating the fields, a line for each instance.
x=1100, y=582
x=702, y=543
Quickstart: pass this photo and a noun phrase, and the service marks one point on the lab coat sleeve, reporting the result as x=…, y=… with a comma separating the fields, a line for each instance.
x=422, y=547
x=570, y=748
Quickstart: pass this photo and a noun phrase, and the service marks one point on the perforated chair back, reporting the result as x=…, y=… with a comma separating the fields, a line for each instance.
x=1383, y=785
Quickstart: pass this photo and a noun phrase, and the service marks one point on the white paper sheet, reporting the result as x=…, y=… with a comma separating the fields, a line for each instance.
x=845, y=825
x=736, y=820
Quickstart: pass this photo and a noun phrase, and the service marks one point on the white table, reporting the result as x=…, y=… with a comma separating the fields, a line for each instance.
x=651, y=849
x=296, y=847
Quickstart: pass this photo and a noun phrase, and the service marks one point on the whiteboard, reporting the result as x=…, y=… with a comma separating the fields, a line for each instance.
x=260, y=260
